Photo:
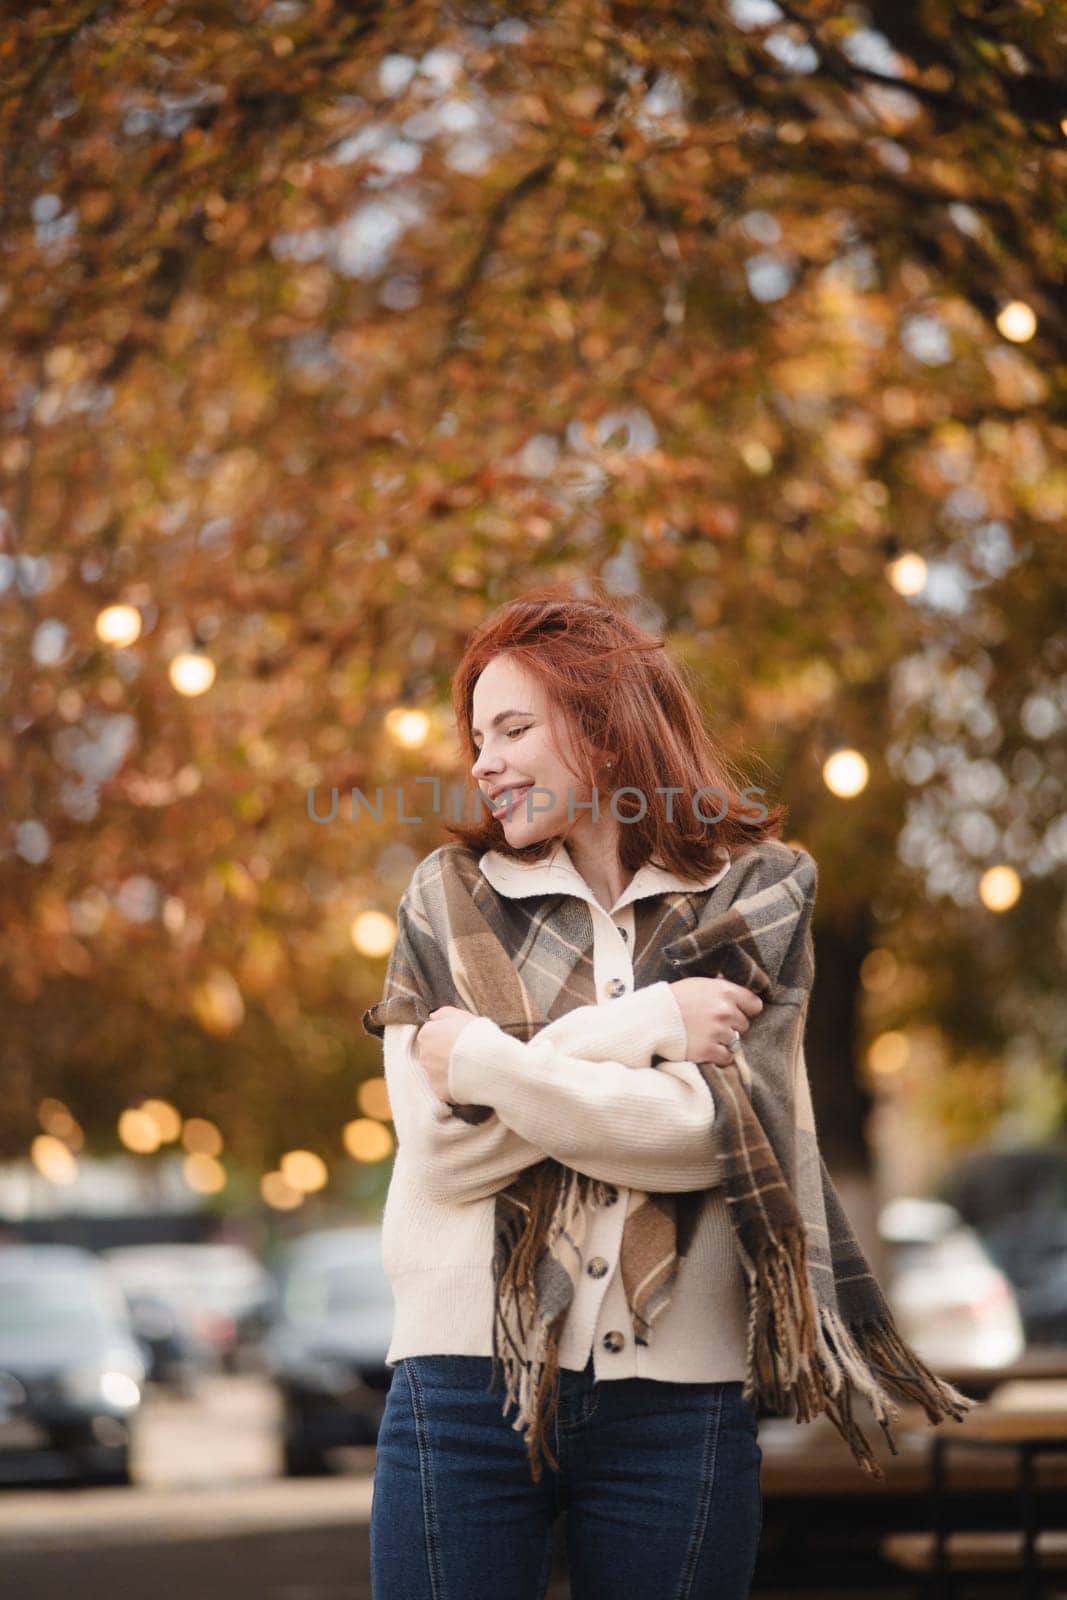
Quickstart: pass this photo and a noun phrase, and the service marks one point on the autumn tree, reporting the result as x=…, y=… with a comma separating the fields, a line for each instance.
x=329, y=327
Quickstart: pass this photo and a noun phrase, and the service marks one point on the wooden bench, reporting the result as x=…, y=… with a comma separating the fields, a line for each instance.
x=975, y=1552
x=1026, y=1430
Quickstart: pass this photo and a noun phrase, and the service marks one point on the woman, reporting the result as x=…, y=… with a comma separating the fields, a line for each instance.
x=555, y=1203
x=659, y=1474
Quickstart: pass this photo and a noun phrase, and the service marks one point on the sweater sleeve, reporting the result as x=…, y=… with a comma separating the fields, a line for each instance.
x=451, y=1161
x=455, y=1161
x=646, y=1130
x=632, y=1029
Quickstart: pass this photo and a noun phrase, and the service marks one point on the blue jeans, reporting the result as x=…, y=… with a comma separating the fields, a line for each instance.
x=660, y=1482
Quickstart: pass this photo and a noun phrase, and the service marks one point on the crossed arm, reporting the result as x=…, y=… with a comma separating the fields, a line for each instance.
x=572, y=1093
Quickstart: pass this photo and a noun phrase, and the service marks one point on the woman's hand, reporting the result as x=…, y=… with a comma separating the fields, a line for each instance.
x=434, y=1041
x=711, y=1009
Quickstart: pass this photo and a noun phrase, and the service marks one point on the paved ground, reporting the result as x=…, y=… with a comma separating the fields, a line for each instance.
x=305, y=1564
x=209, y=1518
x=317, y=1563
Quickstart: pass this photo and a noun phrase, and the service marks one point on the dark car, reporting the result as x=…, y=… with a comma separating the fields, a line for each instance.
x=1031, y=1247
x=326, y=1346
x=172, y=1350
x=1016, y=1198
x=71, y=1369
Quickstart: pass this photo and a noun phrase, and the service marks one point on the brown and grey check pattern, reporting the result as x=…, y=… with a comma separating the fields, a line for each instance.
x=820, y=1330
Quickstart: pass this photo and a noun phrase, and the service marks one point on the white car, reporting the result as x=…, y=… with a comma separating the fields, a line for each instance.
x=951, y=1302
x=213, y=1286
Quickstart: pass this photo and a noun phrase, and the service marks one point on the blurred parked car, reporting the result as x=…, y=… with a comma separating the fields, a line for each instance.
x=71, y=1370
x=327, y=1344
x=167, y=1334
x=988, y=1184
x=214, y=1290
x=1016, y=1199
x=952, y=1302
x=1031, y=1249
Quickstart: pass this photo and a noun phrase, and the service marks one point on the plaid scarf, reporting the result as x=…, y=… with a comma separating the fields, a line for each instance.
x=819, y=1329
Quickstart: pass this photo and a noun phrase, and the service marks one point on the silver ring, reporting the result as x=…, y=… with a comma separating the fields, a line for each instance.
x=736, y=1040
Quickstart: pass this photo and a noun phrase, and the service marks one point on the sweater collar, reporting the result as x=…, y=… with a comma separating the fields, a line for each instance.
x=557, y=874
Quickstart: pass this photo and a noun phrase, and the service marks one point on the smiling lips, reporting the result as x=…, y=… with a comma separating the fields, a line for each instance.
x=501, y=804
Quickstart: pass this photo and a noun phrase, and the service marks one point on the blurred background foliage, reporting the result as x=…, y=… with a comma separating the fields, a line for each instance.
x=328, y=327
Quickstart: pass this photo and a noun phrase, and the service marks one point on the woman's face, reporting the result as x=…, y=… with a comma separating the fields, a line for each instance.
x=519, y=738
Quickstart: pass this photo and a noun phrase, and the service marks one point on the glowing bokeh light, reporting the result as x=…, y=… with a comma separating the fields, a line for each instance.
x=201, y=1137
x=1016, y=321
x=138, y=1131
x=879, y=971
x=999, y=888
x=757, y=457
x=845, y=774
x=373, y=1099
x=204, y=1174
x=409, y=729
x=907, y=574
x=166, y=1117
x=367, y=1140
x=280, y=1194
x=118, y=625
x=218, y=1003
x=304, y=1170
x=53, y=1159
x=56, y=1118
x=888, y=1054
x=373, y=933
x=192, y=673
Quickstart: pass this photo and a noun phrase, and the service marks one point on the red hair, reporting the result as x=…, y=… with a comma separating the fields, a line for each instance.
x=617, y=688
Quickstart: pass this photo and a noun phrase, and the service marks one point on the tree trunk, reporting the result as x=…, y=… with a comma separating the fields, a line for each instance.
x=841, y=1102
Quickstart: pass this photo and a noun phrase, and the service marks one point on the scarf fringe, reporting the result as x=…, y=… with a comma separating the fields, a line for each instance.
x=801, y=1358
x=531, y=1359
x=811, y=1361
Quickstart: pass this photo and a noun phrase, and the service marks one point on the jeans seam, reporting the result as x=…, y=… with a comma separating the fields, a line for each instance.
x=546, y=1565
x=429, y=1501
x=707, y=1487
x=759, y=1483
x=588, y=1412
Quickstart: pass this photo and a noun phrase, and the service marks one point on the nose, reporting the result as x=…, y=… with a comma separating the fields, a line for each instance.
x=484, y=764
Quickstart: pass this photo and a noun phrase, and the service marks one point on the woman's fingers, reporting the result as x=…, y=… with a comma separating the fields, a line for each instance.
x=716, y=1012
x=746, y=1006
x=746, y=1000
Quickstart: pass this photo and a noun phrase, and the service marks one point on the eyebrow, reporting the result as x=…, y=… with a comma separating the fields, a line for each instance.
x=502, y=716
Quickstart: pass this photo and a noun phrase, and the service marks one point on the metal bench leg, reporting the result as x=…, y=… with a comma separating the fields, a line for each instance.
x=940, y=1587
x=1028, y=1515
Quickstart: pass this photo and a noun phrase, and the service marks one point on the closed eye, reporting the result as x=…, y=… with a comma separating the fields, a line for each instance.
x=510, y=732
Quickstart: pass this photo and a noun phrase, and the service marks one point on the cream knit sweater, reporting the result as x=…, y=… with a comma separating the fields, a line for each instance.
x=583, y=1091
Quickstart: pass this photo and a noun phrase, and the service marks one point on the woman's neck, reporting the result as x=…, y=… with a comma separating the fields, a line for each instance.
x=596, y=857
